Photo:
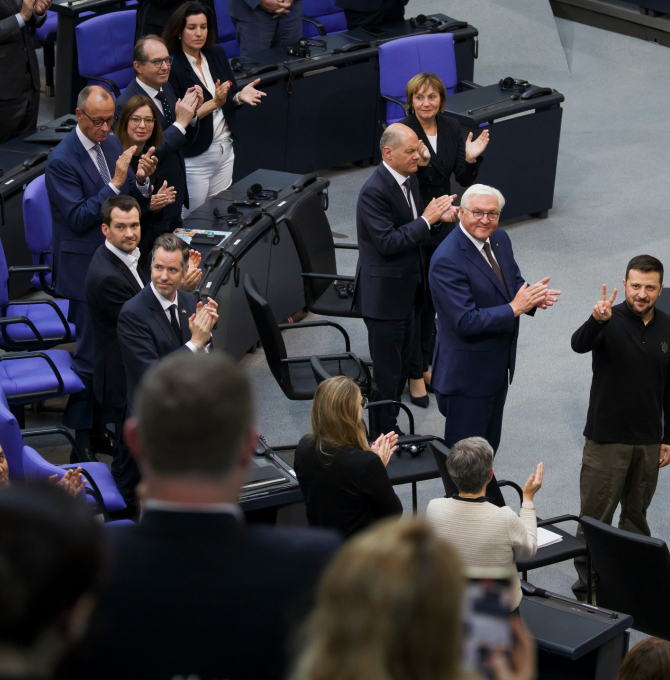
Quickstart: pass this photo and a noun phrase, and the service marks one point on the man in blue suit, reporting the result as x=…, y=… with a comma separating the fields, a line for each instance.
x=262, y=24
x=84, y=170
x=479, y=294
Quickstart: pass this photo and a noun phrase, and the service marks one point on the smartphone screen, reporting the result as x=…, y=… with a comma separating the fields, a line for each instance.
x=486, y=613
x=376, y=31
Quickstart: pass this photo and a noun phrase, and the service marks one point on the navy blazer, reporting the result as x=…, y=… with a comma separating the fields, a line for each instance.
x=390, y=265
x=182, y=76
x=476, y=327
x=76, y=193
x=109, y=285
x=146, y=336
x=170, y=153
x=198, y=594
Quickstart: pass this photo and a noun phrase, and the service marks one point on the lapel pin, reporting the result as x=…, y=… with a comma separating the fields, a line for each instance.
x=183, y=311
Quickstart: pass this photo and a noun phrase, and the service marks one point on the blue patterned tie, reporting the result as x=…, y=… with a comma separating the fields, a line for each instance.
x=167, y=111
x=102, y=164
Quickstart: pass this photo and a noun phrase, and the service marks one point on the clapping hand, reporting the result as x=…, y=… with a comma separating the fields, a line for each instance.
x=534, y=483
x=201, y=323
x=146, y=165
x=250, y=95
x=27, y=7
x=385, y=445
x=550, y=297
x=474, y=149
x=450, y=215
x=200, y=97
x=41, y=6
x=438, y=207
x=602, y=310
x=424, y=152
x=164, y=196
x=72, y=481
x=221, y=91
x=122, y=165
x=193, y=274
x=186, y=107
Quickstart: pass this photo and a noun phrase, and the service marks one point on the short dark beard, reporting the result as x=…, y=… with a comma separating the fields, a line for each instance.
x=643, y=312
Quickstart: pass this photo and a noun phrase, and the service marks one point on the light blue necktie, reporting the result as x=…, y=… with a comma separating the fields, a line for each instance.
x=102, y=164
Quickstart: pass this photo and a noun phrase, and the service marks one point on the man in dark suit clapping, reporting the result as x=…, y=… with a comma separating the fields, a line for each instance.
x=84, y=170
x=392, y=224
x=196, y=591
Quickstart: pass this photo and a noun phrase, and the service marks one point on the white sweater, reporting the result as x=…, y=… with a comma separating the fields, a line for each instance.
x=486, y=535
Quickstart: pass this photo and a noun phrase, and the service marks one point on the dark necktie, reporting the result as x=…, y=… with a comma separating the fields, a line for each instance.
x=102, y=164
x=167, y=111
x=494, y=265
x=406, y=190
x=174, y=323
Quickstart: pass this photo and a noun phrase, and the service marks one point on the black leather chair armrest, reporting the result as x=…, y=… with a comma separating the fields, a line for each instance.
x=315, y=324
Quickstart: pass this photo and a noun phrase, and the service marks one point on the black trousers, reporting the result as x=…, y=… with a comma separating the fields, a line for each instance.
x=424, y=337
x=475, y=417
x=19, y=115
x=389, y=11
x=124, y=468
x=390, y=345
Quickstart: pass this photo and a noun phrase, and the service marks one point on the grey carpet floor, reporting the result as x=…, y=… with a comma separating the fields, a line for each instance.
x=609, y=205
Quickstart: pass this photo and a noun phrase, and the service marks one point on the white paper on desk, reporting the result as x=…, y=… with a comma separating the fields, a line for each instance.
x=546, y=537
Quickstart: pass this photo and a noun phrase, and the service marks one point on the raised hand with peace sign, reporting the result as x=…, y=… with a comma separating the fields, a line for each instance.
x=602, y=310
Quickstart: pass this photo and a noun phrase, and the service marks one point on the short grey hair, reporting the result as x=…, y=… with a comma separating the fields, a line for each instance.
x=172, y=244
x=82, y=97
x=482, y=190
x=393, y=136
x=469, y=464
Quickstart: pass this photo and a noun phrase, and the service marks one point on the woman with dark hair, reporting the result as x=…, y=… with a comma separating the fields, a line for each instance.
x=342, y=477
x=138, y=126
x=648, y=660
x=190, y=37
x=443, y=152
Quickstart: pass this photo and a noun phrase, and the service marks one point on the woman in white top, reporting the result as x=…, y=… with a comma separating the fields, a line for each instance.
x=484, y=534
x=190, y=36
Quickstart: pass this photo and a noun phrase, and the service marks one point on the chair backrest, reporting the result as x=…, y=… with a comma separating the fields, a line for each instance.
x=4, y=277
x=105, y=47
x=400, y=60
x=324, y=11
x=269, y=333
x=310, y=230
x=11, y=440
x=632, y=575
x=226, y=29
x=37, y=225
x=48, y=30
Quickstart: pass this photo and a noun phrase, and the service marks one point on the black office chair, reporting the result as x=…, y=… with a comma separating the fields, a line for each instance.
x=632, y=575
x=566, y=549
x=313, y=239
x=294, y=374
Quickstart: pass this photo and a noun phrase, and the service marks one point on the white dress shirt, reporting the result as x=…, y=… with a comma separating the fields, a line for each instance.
x=145, y=188
x=480, y=245
x=151, y=92
x=173, y=506
x=129, y=259
x=166, y=304
x=221, y=129
x=401, y=181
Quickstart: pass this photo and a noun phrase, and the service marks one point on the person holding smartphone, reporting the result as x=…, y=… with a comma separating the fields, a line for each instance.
x=485, y=535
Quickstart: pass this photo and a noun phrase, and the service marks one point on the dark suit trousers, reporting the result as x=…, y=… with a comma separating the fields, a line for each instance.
x=80, y=407
x=389, y=11
x=19, y=115
x=390, y=345
x=124, y=468
x=475, y=417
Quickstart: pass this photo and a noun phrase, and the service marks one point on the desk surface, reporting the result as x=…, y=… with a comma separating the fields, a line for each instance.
x=482, y=104
x=72, y=8
x=568, y=629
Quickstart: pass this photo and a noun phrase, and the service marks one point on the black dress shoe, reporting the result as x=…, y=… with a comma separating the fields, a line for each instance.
x=102, y=443
x=87, y=456
x=420, y=401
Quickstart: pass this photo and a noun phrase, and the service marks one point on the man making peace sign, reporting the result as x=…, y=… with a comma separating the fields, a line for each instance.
x=626, y=442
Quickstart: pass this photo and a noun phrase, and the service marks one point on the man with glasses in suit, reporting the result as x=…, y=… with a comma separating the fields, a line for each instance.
x=83, y=171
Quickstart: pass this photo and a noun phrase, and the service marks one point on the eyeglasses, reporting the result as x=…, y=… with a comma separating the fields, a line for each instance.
x=99, y=122
x=136, y=120
x=159, y=62
x=364, y=402
x=479, y=215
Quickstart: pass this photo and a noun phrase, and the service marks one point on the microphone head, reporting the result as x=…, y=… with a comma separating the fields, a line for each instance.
x=216, y=212
x=421, y=19
x=232, y=210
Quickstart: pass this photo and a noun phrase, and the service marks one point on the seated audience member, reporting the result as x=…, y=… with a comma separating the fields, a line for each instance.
x=197, y=592
x=72, y=481
x=648, y=660
x=190, y=36
x=83, y=171
x=485, y=534
x=176, y=117
x=162, y=319
x=52, y=553
x=389, y=606
x=138, y=126
x=342, y=477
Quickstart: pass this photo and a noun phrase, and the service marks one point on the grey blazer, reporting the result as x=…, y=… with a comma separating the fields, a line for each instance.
x=249, y=10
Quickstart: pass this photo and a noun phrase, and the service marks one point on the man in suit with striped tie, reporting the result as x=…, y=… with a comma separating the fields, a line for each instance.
x=84, y=170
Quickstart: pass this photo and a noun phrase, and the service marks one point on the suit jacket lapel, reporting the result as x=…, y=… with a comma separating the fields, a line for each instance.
x=123, y=268
x=161, y=317
x=86, y=162
x=504, y=265
x=477, y=259
x=397, y=193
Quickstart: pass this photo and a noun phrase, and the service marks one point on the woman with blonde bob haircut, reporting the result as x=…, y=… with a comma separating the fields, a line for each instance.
x=342, y=477
x=389, y=608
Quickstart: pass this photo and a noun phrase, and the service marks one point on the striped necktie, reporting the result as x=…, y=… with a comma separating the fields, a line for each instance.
x=102, y=164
